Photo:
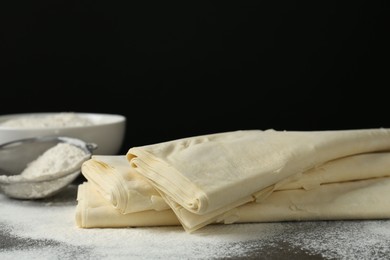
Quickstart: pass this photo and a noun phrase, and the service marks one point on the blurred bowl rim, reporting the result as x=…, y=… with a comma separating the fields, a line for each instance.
x=111, y=119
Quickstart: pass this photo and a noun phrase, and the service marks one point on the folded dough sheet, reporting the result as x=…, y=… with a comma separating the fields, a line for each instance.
x=244, y=176
x=121, y=185
x=324, y=193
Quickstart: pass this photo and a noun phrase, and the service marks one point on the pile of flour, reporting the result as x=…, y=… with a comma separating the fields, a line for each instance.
x=64, y=119
x=58, y=160
x=48, y=174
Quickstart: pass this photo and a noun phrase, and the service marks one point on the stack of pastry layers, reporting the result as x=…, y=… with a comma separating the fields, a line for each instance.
x=240, y=177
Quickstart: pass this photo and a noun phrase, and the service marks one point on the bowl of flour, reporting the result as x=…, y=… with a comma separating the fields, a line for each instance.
x=107, y=131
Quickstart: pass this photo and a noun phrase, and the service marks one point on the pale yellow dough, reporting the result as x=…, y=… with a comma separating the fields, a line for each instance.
x=346, y=198
x=121, y=185
x=364, y=199
x=203, y=178
x=350, y=168
x=93, y=211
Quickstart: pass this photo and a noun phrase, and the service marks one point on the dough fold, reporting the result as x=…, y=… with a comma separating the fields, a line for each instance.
x=121, y=185
x=202, y=178
x=94, y=211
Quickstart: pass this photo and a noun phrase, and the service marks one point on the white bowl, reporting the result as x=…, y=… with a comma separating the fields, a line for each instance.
x=107, y=131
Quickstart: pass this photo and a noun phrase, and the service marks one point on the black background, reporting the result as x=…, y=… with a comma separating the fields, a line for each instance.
x=189, y=68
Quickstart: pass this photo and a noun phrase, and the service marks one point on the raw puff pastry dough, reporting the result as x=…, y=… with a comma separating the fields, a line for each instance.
x=202, y=178
x=354, y=187
x=121, y=185
x=94, y=211
x=364, y=199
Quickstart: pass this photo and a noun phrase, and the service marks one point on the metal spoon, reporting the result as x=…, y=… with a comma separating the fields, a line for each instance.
x=16, y=155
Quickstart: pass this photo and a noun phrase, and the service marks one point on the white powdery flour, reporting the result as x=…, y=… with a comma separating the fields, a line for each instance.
x=64, y=119
x=59, y=159
x=46, y=230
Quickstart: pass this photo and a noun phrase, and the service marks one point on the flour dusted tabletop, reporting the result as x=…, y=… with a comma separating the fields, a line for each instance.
x=45, y=229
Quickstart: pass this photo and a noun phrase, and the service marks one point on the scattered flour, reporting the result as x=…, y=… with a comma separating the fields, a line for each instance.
x=61, y=158
x=64, y=119
x=46, y=230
